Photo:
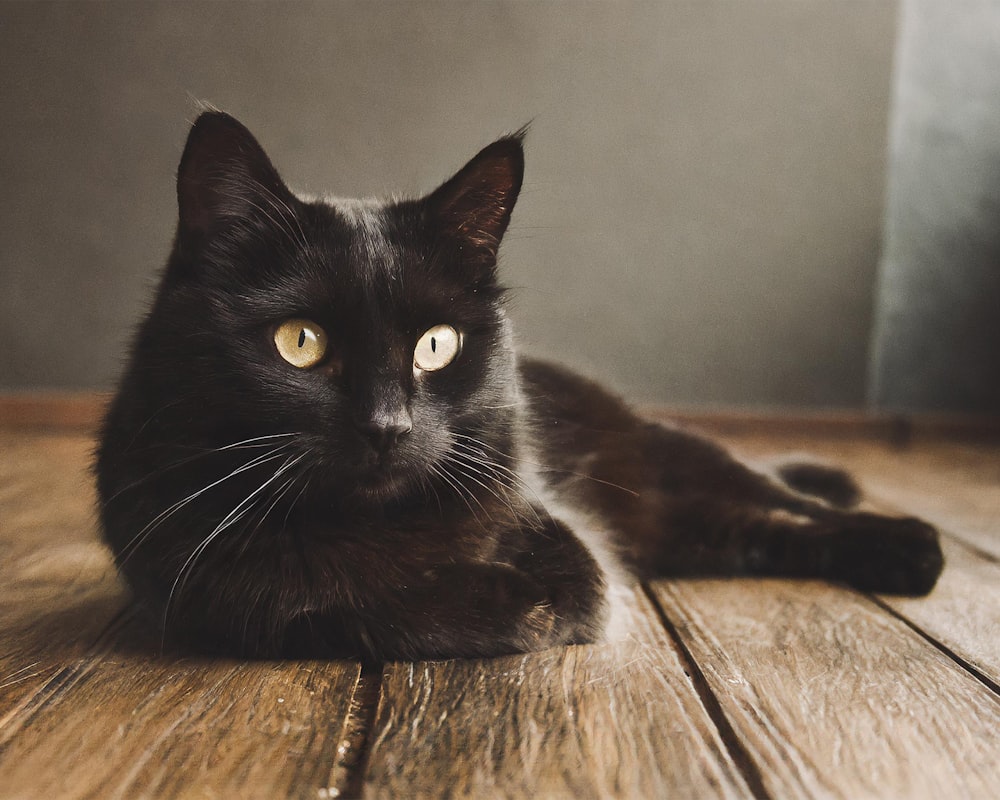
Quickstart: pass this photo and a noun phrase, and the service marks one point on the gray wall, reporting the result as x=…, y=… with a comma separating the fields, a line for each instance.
x=702, y=211
x=937, y=343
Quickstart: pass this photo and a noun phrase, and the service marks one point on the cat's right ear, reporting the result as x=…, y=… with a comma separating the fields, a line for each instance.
x=474, y=207
x=224, y=177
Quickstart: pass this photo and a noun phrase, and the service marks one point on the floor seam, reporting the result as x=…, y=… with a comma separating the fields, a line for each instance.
x=740, y=756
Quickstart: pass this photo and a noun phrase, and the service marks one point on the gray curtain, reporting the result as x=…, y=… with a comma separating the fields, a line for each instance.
x=936, y=345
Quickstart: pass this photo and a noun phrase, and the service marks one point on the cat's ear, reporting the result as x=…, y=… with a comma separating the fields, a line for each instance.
x=224, y=176
x=474, y=206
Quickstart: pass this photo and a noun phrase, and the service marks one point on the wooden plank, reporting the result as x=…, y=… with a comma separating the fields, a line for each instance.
x=45, y=484
x=827, y=692
x=963, y=612
x=135, y=726
x=47, y=624
x=832, y=697
x=619, y=719
x=60, y=590
x=957, y=487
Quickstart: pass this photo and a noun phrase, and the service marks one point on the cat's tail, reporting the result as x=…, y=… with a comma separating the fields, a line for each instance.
x=832, y=484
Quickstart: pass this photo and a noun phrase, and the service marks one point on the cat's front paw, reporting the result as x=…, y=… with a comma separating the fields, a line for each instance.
x=495, y=609
x=884, y=554
x=537, y=627
x=532, y=621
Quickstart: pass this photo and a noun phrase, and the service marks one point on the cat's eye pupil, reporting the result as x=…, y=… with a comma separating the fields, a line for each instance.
x=302, y=337
x=434, y=345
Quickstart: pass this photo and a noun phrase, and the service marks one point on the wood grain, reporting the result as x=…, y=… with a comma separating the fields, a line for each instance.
x=795, y=689
x=616, y=720
x=963, y=612
x=953, y=486
x=133, y=726
x=834, y=698
x=59, y=590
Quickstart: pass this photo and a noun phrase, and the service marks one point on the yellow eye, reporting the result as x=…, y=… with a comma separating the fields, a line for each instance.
x=300, y=342
x=437, y=348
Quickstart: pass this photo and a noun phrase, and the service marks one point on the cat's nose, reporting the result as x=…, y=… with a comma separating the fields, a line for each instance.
x=384, y=429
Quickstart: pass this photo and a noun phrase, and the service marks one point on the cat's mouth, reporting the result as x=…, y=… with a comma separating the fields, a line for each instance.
x=381, y=487
x=383, y=479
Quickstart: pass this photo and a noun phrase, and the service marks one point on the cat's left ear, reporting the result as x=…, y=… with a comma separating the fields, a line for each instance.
x=474, y=207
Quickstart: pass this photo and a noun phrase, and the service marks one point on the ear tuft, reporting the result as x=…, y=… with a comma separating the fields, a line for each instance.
x=475, y=205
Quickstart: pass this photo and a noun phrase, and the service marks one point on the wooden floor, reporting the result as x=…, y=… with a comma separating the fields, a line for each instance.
x=725, y=689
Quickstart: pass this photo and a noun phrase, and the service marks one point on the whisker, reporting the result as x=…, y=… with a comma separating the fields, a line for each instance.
x=469, y=472
x=471, y=464
x=506, y=479
x=586, y=477
x=285, y=214
x=441, y=471
x=246, y=443
x=548, y=468
x=152, y=416
x=136, y=542
x=254, y=525
x=238, y=512
x=283, y=209
x=291, y=505
x=494, y=466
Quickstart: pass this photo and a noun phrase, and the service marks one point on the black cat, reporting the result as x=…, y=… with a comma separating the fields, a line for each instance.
x=325, y=443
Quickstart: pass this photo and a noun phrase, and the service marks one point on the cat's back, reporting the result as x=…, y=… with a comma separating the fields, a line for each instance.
x=561, y=402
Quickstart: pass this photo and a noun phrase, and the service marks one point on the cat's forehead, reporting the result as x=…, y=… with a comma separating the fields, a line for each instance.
x=361, y=257
x=368, y=227
x=367, y=224
x=371, y=259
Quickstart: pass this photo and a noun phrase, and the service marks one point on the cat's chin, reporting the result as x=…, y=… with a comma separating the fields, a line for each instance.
x=383, y=486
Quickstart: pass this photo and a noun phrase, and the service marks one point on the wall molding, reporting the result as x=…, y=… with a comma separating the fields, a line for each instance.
x=57, y=410
x=83, y=411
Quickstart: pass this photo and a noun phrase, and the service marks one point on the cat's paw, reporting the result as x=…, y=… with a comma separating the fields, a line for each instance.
x=537, y=627
x=532, y=620
x=884, y=554
x=498, y=608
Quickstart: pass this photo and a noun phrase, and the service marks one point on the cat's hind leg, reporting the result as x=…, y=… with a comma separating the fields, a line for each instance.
x=710, y=514
x=681, y=504
x=871, y=552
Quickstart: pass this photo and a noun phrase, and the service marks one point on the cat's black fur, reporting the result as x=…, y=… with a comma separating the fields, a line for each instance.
x=365, y=507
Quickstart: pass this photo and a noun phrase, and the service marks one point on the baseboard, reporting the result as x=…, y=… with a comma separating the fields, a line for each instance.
x=896, y=428
x=82, y=411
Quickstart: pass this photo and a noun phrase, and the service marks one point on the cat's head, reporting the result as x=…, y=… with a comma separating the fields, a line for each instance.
x=371, y=331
